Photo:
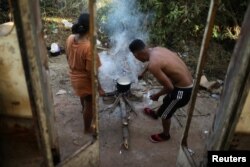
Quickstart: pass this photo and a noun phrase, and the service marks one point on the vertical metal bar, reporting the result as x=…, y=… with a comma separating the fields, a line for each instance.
x=202, y=59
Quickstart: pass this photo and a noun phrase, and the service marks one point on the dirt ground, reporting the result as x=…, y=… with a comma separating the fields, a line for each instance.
x=141, y=152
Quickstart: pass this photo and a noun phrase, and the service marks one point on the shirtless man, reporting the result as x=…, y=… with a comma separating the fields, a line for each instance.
x=173, y=74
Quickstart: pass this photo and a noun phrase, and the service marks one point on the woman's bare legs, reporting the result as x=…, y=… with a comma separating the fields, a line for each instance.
x=87, y=113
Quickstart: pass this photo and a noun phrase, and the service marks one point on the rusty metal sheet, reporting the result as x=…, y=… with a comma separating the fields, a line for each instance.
x=14, y=98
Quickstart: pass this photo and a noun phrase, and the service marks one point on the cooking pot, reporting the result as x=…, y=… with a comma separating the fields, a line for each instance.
x=123, y=84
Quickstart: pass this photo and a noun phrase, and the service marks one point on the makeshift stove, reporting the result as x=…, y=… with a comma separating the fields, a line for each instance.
x=122, y=96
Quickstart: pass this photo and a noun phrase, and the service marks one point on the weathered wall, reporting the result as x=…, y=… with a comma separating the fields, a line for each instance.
x=242, y=131
x=243, y=124
x=14, y=99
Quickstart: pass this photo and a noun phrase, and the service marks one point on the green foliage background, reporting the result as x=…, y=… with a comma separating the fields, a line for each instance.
x=176, y=24
x=180, y=24
x=178, y=21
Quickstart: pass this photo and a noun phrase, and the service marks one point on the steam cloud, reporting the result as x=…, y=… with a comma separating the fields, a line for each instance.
x=124, y=24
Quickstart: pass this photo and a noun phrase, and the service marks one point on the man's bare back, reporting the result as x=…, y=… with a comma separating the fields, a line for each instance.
x=165, y=62
x=173, y=74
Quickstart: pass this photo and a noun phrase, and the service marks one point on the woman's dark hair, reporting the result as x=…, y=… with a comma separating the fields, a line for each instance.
x=136, y=45
x=82, y=25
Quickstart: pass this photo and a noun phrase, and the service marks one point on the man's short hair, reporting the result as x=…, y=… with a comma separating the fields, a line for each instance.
x=136, y=45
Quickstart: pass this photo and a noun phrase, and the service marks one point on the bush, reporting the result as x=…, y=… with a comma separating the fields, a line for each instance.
x=178, y=21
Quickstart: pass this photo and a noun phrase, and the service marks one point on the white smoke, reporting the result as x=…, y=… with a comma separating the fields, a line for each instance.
x=124, y=24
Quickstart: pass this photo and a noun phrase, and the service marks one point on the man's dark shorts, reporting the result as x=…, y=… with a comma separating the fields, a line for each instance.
x=178, y=98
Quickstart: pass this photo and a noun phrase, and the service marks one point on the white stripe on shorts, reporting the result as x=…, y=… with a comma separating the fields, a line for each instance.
x=180, y=94
x=169, y=108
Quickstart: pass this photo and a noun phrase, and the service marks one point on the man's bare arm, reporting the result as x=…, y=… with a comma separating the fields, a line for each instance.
x=142, y=74
x=163, y=91
x=162, y=79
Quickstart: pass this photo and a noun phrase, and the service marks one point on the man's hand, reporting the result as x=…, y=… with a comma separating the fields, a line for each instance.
x=140, y=76
x=154, y=97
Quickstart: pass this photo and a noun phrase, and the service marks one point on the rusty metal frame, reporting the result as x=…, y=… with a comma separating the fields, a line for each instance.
x=33, y=53
x=28, y=31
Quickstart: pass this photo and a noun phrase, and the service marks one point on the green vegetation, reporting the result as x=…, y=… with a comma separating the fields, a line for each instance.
x=175, y=21
x=176, y=24
x=179, y=25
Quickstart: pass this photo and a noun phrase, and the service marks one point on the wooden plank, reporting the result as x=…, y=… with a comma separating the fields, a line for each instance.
x=124, y=117
x=94, y=75
x=123, y=112
x=236, y=88
x=27, y=19
x=88, y=156
x=243, y=123
x=202, y=59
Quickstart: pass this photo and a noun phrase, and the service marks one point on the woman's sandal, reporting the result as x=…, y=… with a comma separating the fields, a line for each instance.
x=150, y=113
x=156, y=138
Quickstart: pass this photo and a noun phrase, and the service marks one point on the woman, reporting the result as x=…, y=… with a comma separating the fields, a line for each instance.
x=79, y=58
